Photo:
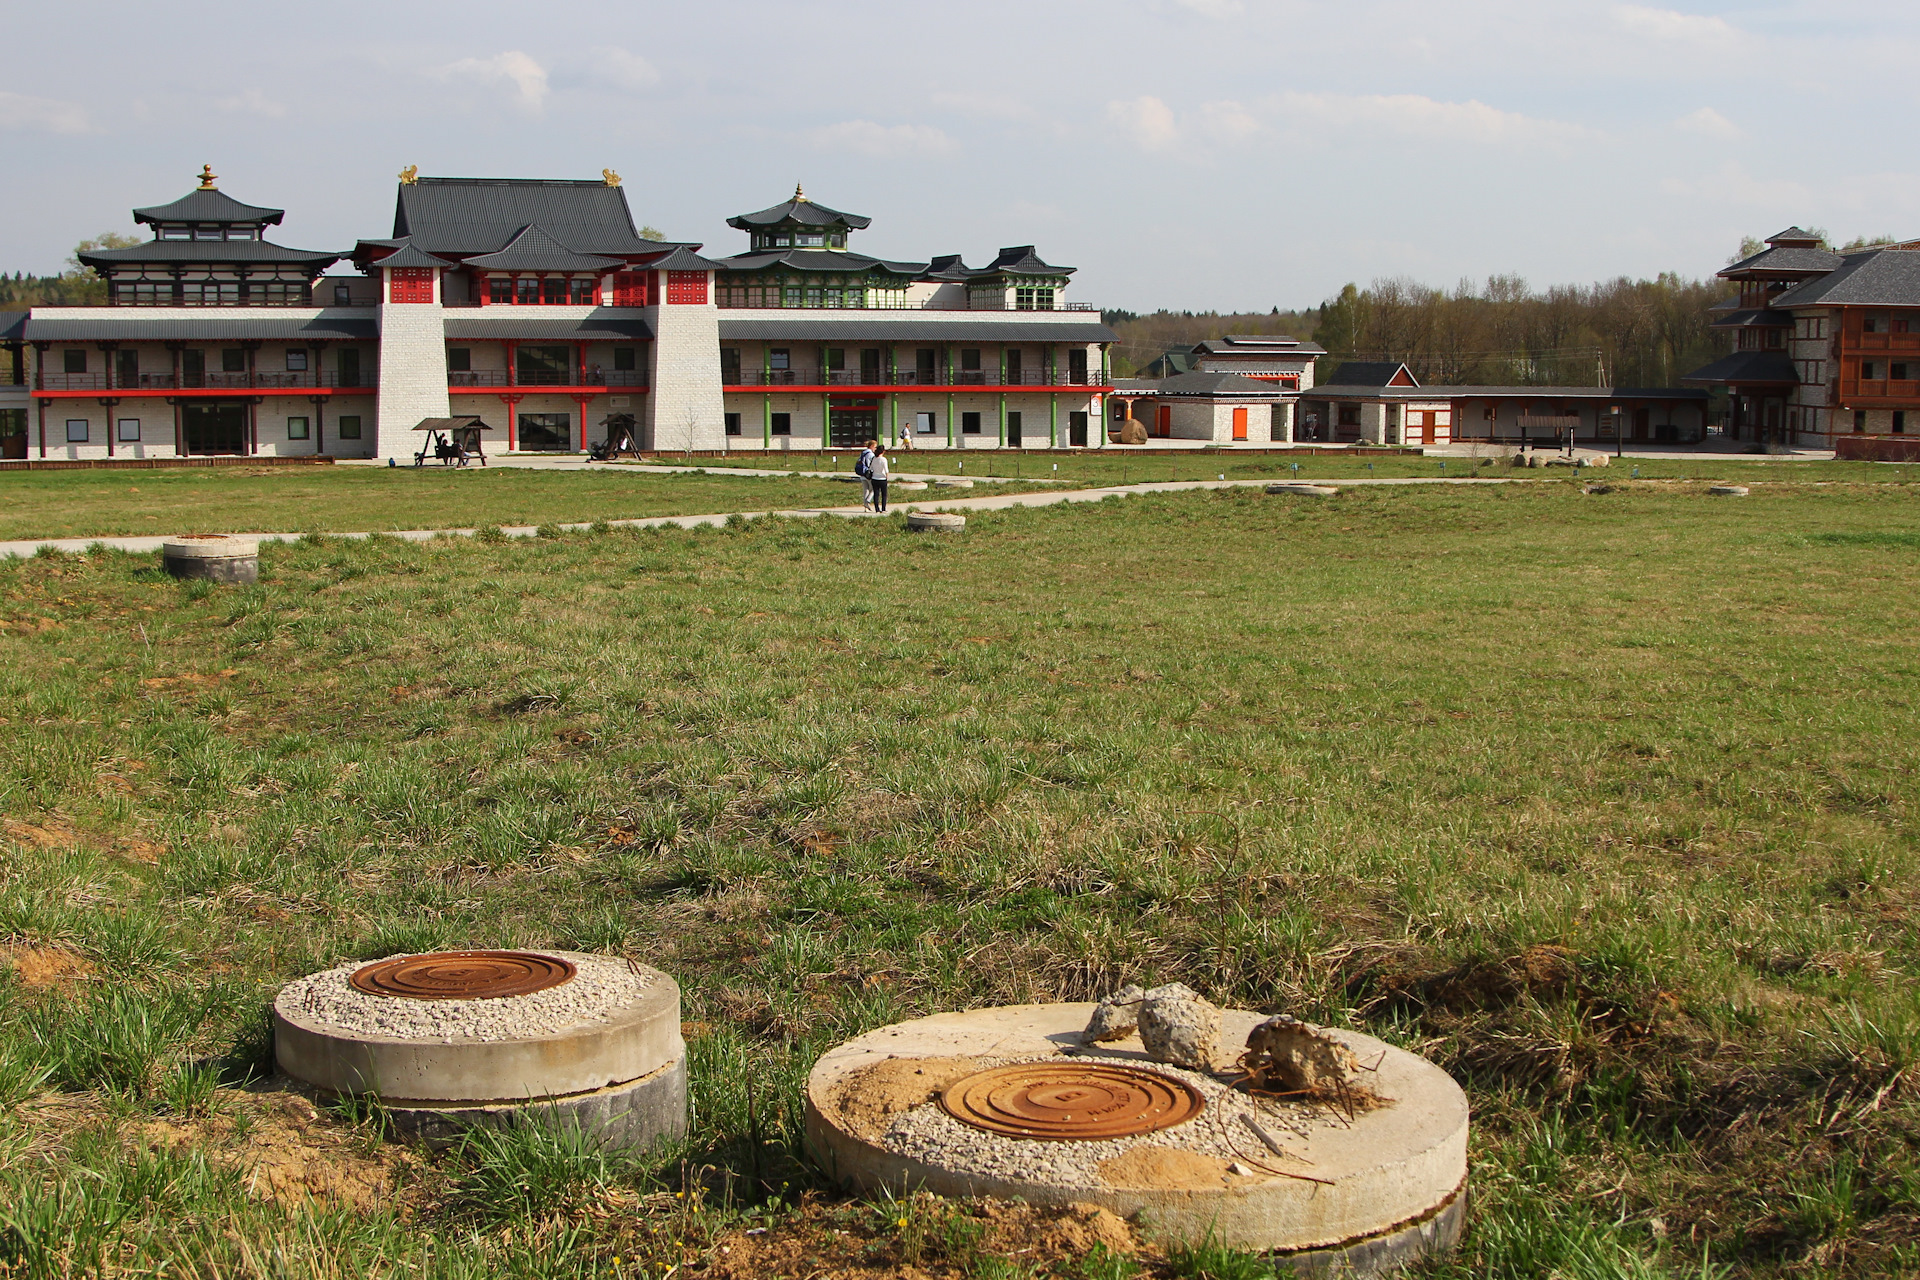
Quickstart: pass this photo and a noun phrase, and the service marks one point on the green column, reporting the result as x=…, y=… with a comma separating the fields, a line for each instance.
x=826, y=419
x=766, y=422
x=949, y=419
x=1003, y=415
x=1053, y=421
x=893, y=414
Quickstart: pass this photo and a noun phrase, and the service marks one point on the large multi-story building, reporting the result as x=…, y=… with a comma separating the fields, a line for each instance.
x=1827, y=345
x=538, y=308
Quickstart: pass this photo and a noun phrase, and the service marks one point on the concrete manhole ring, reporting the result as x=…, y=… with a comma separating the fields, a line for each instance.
x=1069, y=1101
x=463, y=975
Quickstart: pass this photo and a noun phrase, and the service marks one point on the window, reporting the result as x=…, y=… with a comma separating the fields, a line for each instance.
x=233, y=360
x=126, y=367
x=813, y=297
x=924, y=371
x=870, y=366
x=76, y=359
x=970, y=359
x=1774, y=339
x=585, y=293
x=630, y=289
x=297, y=429
x=411, y=284
x=782, y=424
x=176, y=233
x=1077, y=366
x=544, y=366
x=687, y=288
x=733, y=424
x=1870, y=324
x=76, y=430
x=128, y=430
x=924, y=424
x=342, y=295
x=1010, y=374
x=1349, y=415
x=730, y=366
x=1900, y=420
x=459, y=359
x=624, y=359
x=1025, y=299
x=792, y=296
x=1013, y=428
x=810, y=240
x=833, y=360
x=547, y=432
x=499, y=289
x=1859, y=419
x=553, y=291
x=296, y=361
x=206, y=233
x=1900, y=325
x=526, y=292
x=838, y=240
x=347, y=366
x=348, y=427
x=780, y=358
x=1897, y=372
x=969, y=424
x=1866, y=371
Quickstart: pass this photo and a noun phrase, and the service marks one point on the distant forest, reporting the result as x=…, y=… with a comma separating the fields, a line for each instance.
x=1626, y=333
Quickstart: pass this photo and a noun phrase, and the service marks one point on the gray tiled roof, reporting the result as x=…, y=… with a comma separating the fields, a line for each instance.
x=480, y=215
x=1332, y=391
x=210, y=251
x=13, y=325
x=1873, y=278
x=1766, y=318
x=528, y=324
x=535, y=249
x=684, y=259
x=800, y=210
x=1021, y=260
x=266, y=325
x=208, y=206
x=1792, y=234
x=819, y=260
x=1368, y=373
x=859, y=326
x=1259, y=345
x=1748, y=367
x=1218, y=386
x=1788, y=259
x=409, y=254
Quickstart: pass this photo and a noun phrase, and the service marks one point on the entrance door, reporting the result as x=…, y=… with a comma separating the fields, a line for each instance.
x=1077, y=429
x=851, y=428
x=1165, y=423
x=1240, y=423
x=1640, y=419
x=1013, y=428
x=220, y=427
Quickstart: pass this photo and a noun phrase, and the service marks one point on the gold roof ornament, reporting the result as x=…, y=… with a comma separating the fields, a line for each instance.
x=410, y=175
x=798, y=194
x=613, y=179
x=207, y=177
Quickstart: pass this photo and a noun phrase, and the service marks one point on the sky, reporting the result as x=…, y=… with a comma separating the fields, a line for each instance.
x=1185, y=154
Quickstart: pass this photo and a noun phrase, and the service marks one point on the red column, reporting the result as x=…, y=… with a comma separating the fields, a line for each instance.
x=583, y=402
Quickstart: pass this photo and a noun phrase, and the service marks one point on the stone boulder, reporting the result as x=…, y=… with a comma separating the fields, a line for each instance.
x=1180, y=1026
x=1133, y=432
x=1117, y=1017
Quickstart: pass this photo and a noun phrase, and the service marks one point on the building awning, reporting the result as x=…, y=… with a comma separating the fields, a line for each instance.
x=468, y=421
x=527, y=325
x=879, y=328
x=133, y=324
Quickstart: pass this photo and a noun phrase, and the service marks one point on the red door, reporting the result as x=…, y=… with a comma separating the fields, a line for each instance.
x=1166, y=421
x=1240, y=424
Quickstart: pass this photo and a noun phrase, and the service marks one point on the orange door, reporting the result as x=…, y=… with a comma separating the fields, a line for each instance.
x=1166, y=420
x=1239, y=424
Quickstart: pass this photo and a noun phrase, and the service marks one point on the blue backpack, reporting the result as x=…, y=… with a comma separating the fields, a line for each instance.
x=863, y=464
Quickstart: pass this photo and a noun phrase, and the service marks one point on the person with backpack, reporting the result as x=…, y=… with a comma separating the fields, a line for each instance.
x=863, y=467
x=877, y=472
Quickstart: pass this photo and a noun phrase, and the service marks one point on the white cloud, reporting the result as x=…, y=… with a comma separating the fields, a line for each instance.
x=254, y=103
x=1671, y=25
x=1226, y=122
x=1147, y=120
x=1420, y=116
x=22, y=111
x=990, y=106
x=528, y=78
x=871, y=139
x=628, y=70
x=1708, y=123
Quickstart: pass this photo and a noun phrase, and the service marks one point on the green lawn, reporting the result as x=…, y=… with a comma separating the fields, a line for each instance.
x=1118, y=466
x=86, y=504
x=1605, y=802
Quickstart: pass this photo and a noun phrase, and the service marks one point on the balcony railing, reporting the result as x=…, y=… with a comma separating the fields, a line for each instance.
x=548, y=378
x=813, y=376
x=929, y=304
x=259, y=379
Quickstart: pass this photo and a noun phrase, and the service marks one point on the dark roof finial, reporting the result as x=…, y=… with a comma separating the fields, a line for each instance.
x=207, y=176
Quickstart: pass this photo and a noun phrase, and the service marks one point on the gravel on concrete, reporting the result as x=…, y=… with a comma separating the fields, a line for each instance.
x=601, y=988
x=928, y=1134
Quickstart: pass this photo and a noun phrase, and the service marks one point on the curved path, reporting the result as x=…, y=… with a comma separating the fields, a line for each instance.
x=989, y=502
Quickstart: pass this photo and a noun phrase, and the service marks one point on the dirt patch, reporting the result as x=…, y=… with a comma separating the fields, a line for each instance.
x=189, y=679
x=1542, y=970
x=289, y=1151
x=52, y=834
x=42, y=968
x=1164, y=1168
x=924, y=1238
x=868, y=1099
x=142, y=851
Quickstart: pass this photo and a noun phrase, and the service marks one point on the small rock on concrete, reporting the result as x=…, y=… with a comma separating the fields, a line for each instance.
x=1117, y=1016
x=1729, y=491
x=1180, y=1026
x=1286, y=1055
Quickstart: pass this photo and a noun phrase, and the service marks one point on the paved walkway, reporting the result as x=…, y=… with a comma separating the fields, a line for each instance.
x=990, y=502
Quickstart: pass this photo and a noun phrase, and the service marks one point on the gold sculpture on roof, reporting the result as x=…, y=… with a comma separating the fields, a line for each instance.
x=613, y=179
x=410, y=175
x=207, y=176
x=798, y=194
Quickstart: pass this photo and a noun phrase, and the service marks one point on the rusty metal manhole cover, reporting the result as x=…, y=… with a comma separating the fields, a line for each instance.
x=463, y=975
x=1071, y=1101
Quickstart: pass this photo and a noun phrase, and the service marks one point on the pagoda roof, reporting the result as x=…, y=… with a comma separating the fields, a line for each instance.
x=1795, y=236
x=534, y=248
x=464, y=216
x=209, y=205
x=1278, y=344
x=1874, y=278
x=408, y=254
x=819, y=260
x=209, y=251
x=800, y=210
x=1021, y=260
x=1788, y=258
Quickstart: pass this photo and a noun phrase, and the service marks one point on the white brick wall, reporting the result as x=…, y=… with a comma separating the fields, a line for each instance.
x=685, y=408
x=413, y=374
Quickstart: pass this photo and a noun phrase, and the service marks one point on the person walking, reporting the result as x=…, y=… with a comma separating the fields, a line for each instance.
x=863, y=468
x=877, y=472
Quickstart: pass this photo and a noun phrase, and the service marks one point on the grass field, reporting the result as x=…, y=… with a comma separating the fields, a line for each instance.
x=1118, y=466
x=88, y=504
x=1604, y=802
